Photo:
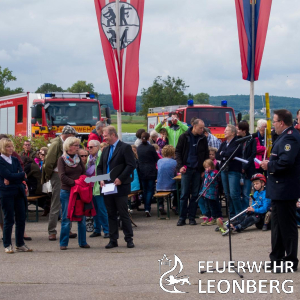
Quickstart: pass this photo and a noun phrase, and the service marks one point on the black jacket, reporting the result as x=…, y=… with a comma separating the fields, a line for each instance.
x=148, y=158
x=284, y=167
x=123, y=154
x=183, y=147
x=224, y=153
x=249, y=154
x=34, y=177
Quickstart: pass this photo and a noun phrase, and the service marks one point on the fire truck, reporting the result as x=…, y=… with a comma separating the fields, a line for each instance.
x=215, y=118
x=32, y=114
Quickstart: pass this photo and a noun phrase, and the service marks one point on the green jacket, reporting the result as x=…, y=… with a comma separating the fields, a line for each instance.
x=32, y=154
x=173, y=135
x=54, y=153
x=96, y=189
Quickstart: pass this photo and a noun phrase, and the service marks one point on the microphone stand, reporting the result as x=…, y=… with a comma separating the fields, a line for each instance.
x=228, y=213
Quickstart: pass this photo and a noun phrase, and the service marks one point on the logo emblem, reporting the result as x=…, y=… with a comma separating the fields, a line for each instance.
x=129, y=23
x=287, y=147
x=171, y=280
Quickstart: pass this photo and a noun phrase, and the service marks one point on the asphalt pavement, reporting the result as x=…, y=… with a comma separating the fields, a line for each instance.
x=139, y=273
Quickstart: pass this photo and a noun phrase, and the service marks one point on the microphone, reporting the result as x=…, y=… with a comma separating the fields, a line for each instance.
x=244, y=139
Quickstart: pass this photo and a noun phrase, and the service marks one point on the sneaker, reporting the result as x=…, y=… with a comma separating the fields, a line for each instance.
x=222, y=230
x=24, y=248
x=221, y=224
x=265, y=227
x=9, y=249
x=147, y=213
x=205, y=221
x=225, y=232
x=211, y=221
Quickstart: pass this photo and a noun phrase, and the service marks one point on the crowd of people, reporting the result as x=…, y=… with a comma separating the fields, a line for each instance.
x=60, y=171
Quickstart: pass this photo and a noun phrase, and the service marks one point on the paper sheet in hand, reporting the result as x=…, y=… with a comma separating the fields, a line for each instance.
x=242, y=160
x=109, y=188
x=257, y=160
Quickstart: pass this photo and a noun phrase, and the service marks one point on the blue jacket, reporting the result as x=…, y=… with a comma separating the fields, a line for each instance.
x=212, y=192
x=263, y=203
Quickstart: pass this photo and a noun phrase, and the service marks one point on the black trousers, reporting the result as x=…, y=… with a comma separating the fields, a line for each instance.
x=284, y=232
x=113, y=205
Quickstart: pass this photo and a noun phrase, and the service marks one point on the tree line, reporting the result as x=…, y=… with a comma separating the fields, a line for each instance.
x=163, y=92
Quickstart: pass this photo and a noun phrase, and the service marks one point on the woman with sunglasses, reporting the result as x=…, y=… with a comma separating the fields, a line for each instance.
x=101, y=218
x=83, y=155
x=42, y=154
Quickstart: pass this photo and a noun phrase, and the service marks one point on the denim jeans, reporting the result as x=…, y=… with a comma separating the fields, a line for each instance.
x=232, y=189
x=246, y=220
x=101, y=218
x=148, y=192
x=212, y=208
x=190, y=186
x=13, y=206
x=202, y=204
x=246, y=189
x=65, y=222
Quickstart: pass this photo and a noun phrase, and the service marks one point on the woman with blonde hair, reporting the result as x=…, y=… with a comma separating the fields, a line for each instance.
x=70, y=168
x=12, y=197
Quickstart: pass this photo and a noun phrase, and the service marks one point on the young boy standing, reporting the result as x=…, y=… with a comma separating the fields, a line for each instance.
x=256, y=212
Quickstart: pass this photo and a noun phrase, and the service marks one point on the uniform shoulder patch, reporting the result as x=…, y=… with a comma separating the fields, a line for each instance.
x=290, y=132
x=287, y=147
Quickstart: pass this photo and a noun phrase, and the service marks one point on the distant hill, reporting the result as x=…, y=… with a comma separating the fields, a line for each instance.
x=241, y=102
x=237, y=102
x=107, y=99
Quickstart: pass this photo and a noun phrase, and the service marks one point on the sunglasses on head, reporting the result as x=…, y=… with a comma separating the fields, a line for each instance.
x=83, y=155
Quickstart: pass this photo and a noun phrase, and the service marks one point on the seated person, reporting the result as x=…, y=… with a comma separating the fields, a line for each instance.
x=34, y=176
x=34, y=184
x=165, y=174
x=255, y=213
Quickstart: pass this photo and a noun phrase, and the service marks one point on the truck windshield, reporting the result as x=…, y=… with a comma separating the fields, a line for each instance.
x=212, y=117
x=73, y=113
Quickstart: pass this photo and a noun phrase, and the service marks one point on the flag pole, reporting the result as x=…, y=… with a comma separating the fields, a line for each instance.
x=252, y=70
x=119, y=111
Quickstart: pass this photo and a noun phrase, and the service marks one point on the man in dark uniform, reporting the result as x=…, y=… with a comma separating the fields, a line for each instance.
x=283, y=188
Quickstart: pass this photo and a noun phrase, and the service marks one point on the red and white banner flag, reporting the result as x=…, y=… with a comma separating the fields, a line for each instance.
x=123, y=71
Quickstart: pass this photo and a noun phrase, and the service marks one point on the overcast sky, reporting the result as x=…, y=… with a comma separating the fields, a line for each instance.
x=58, y=42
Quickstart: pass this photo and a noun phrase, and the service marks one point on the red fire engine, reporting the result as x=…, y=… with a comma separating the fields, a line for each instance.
x=34, y=114
x=215, y=118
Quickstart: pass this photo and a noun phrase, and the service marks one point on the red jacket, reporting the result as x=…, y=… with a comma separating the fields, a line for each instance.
x=94, y=136
x=80, y=202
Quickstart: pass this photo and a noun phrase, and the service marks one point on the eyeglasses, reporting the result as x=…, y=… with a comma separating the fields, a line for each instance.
x=41, y=154
x=75, y=145
x=276, y=121
x=91, y=147
x=83, y=155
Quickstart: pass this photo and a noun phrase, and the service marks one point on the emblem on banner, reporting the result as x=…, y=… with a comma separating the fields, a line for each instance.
x=129, y=24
